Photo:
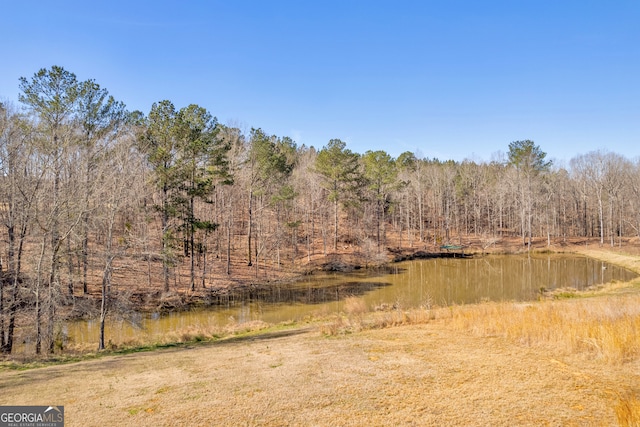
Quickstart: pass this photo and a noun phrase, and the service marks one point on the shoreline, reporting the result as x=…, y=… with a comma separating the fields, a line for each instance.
x=155, y=301
x=630, y=262
x=574, y=360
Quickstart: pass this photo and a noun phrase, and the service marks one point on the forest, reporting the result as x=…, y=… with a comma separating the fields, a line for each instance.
x=91, y=192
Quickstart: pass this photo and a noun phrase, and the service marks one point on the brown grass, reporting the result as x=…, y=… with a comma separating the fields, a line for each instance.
x=421, y=374
x=607, y=328
x=628, y=411
x=600, y=325
x=187, y=335
x=552, y=362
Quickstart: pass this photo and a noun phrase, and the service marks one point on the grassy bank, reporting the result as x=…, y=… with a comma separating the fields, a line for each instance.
x=605, y=328
x=601, y=331
x=568, y=361
x=601, y=325
x=427, y=371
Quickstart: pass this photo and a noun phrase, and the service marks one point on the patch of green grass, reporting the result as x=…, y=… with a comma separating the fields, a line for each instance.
x=565, y=295
x=40, y=362
x=237, y=333
x=543, y=251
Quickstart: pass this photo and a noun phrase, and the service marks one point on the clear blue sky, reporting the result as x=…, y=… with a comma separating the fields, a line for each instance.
x=448, y=79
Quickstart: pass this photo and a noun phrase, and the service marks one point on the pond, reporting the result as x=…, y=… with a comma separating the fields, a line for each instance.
x=437, y=281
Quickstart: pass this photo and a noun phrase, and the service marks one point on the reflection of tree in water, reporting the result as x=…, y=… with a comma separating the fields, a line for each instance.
x=295, y=294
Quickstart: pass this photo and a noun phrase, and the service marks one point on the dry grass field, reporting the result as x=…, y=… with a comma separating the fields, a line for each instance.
x=570, y=361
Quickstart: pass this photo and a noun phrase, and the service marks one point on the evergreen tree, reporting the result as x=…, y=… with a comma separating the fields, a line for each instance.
x=342, y=177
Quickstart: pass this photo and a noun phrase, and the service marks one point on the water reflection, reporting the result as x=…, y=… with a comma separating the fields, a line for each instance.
x=408, y=284
x=316, y=291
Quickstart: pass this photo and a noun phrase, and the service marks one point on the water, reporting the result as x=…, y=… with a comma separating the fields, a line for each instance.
x=439, y=281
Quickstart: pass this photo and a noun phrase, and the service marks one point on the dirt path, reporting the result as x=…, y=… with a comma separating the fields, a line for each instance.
x=413, y=375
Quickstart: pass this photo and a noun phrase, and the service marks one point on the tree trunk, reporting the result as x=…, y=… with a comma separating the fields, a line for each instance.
x=85, y=254
x=335, y=225
x=70, y=268
x=51, y=311
x=15, y=265
x=250, y=231
x=38, y=323
x=191, y=245
x=104, y=302
x=85, y=228
x=229, y=225
x=601, y=220
x=165, y=245
x=378, y=222
x=204, y=266
x=13, y=309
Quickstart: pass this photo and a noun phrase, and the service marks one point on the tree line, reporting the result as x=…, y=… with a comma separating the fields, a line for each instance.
x=88, y=188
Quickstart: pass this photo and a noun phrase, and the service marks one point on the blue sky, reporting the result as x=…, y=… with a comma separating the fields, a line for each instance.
x=449, y=79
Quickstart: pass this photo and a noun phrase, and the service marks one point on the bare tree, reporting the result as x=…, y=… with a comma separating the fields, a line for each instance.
x=99, y=117
x=307, y=184
x=633, y=180
x=234, y=138
x=117, y=171
x=52, y=95
x=614, y=183
x=19, y=185
x=592, y=169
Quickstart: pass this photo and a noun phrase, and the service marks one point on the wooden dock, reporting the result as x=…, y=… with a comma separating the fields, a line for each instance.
x=452, y=250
